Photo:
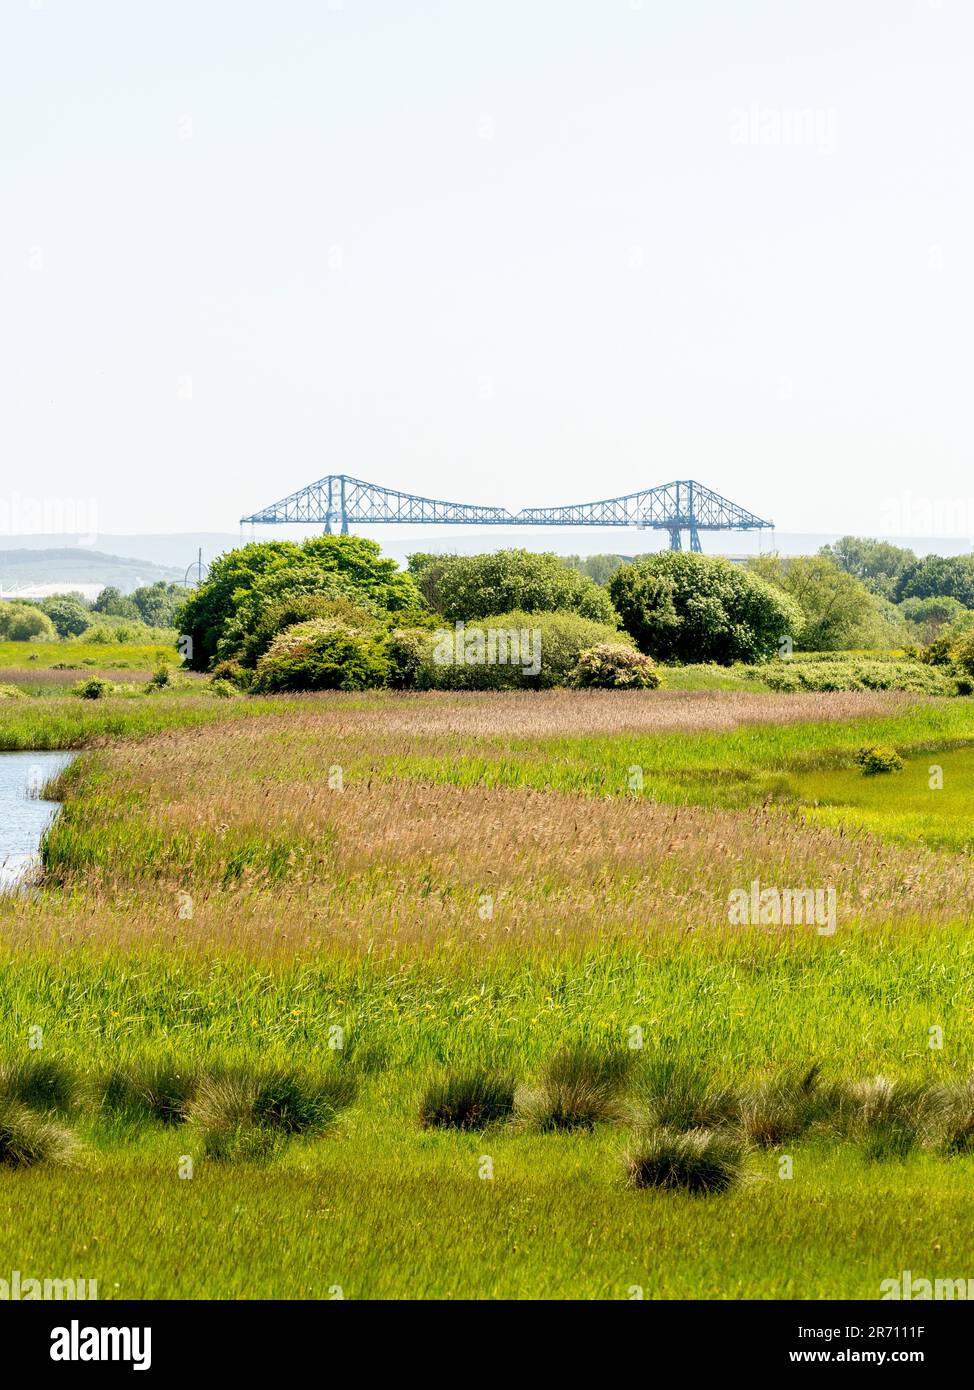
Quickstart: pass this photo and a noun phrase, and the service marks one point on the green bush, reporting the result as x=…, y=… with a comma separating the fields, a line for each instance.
x=21, y=622
x=614, y=666
x=410, y=655
x=857, y=674
x=270, y=609
x=12, y=692
x=163, y=678
x=878, y=759
x=550, y=642
x=232, y=671
x=111, y=629
x=243, y=584
x=963, y=654
x=951, y=641
x=322, y=655
x=679, y=606
x=470, y=587
x=92, y=689
x=69, y=614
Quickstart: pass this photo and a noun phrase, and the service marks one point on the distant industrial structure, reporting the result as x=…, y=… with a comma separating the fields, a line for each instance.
x=340, y=501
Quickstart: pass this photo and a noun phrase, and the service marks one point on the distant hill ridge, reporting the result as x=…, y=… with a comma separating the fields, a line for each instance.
x=33, y=573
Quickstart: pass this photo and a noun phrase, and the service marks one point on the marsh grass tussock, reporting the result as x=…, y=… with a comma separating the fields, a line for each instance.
x=788, y=1105
x=890, y=1117
x=959, y=1117
x=467, y=1100
x=678, y=1096
x=158, y=1091
x=251, y=1114
x=580, y=1087
x=41, y=1083
x=700, y=1162
x=28, y=1138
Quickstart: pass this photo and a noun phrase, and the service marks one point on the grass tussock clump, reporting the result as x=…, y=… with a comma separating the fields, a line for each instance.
x=580, y=1088
x=28, y=1138
x=154, y=1091
x=959, y=1118
x=41, y=1083
x=891, y=1118
x=678, y=1096
x=787, y=1106
x=245, y=1115
x=697, y=1161
x=470, y=1100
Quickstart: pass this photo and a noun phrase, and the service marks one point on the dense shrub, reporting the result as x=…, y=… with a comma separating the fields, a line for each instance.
x=928, y=616
x=470, y=587
x=692, y=608
x=95, y=688
x=877, y=759
x=963, y=654
x=950, y=641
x=838, y=611
x=21, y=622
x=278, y=570
x=553, y=642
x=234, y=672
x=410, y=655
x=68, y=612
x=111, y=629
x=323, y=655
x=614, y=666
x=858, y=674
x=280, y=602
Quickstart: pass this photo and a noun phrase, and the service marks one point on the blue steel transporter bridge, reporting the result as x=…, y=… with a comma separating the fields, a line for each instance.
x=340, y=501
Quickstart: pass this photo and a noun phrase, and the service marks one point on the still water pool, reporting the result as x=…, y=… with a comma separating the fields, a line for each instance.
x=23, y=815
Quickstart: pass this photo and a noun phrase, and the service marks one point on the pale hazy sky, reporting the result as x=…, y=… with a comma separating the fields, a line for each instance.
x=517, y=252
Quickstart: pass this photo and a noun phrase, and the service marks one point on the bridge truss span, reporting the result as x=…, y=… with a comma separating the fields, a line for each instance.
x=339, y=500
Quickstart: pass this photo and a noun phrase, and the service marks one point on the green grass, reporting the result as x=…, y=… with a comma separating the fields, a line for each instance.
x=41, y=655
x=736, y=768
x=68, y=722
x=363, y=1198
x=379, y=1213
x=930, y=802
x=384, y=1208
x=709, y=677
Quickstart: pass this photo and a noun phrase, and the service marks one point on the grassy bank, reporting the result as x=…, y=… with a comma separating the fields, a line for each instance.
x=399, y=890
